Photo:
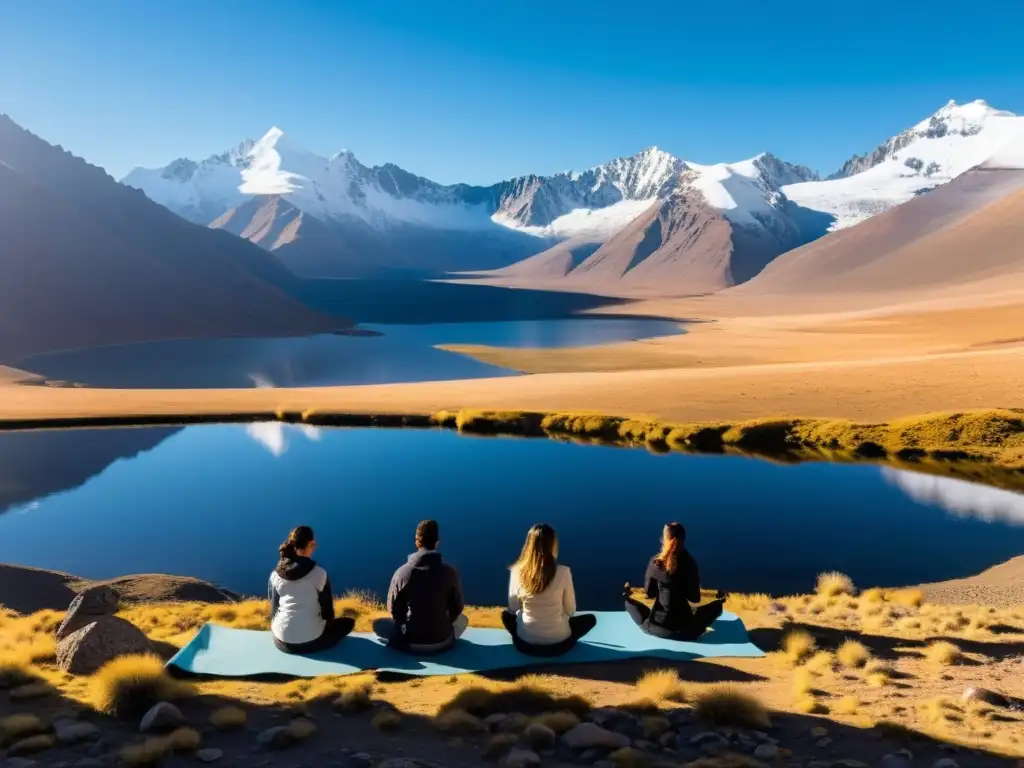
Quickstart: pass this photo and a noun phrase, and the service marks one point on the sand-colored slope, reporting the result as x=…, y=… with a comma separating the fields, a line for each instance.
x=968, y=230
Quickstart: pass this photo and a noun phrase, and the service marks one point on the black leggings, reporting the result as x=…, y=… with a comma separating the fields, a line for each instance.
x=334, y=631
x=703, y=617
x=578, y=626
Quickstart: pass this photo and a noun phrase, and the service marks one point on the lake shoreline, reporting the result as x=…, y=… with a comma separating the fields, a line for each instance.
x=981, y=446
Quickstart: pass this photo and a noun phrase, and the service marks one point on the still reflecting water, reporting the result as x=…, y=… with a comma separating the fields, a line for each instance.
x=215, y=501
x=392, y=353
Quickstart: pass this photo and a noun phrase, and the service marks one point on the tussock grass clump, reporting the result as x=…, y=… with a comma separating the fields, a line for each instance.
x=499, y=744
x=661, y=685
x=873, y=595
x=17, y=727
x=228, y=718
x=848, y=705
x=909, y=598
x=130, y=685
x=301, y=729
x=528, y=695
x=878, y=673
x=459, y=722
x=387, y=720
x=559, y=722
x=942, y=653
x=153, y=750
x=853, y=654
x=833, y=584
x=356, y=697
x=803, y=682
x=14, y=673
x=797, y=645
x=726, y=706
x=183, y=740
x=808, y=705
x=820, y=663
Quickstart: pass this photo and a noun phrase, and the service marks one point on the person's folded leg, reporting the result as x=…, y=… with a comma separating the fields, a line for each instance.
x=334, y=631
x=384, y=628
x=580, y=625
x=459, y=625
x=703, y=617
x=637, y=611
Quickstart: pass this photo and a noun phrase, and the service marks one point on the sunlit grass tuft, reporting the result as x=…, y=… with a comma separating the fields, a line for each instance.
x=798, y=644
x=833, y=583
x=661, y=685
x=727, y=706
x=853, y=654
x=228, y=718
x=459, y=722
x=130, y=685
x=942, y=653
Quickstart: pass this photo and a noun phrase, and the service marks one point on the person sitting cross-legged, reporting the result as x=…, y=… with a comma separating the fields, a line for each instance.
x=302, y=616
x=673, y=581
x=424, y=599
x=542, y=601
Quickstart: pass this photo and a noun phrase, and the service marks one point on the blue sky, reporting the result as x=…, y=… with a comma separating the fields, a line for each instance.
x=476, y=91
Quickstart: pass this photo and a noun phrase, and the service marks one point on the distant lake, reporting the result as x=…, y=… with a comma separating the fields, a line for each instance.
x=387, y=354
x=215, y=501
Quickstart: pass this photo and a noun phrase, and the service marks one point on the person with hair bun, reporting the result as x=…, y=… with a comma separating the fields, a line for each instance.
x=302, y=616
x=673, y=581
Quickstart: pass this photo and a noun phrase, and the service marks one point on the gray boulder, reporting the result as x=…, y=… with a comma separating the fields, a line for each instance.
x=161, y=717
x=278, y=737
x=87, y=649
x=210, y=755
x=88, y=606
x=986, y=696
x=591, y=736
x=72, y=731
x=522, y=758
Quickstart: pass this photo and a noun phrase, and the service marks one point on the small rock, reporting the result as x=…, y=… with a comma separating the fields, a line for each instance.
x=707, y=737
x=359, y=760
x=539, y=736
x=161, y=717
x=96, y=748
x=894, y=760
x=818, y=732
x=766, y=752
x=210, y=755
x=493, y=722
x=73, y=731
x=590, y=735
x=31, y=745
x=87, y=607
x=515, y=722
x=823, y=743
x=589, y=757
x=945, y=762
x=986, y=696
x=278, y=737
x=680, y=718
x=522, y=758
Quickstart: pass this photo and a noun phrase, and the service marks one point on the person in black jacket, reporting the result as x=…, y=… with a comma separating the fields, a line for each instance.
x=425, y=600
x=673, y=581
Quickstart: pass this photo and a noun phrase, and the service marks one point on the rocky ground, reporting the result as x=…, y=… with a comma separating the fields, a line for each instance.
x=816, y=700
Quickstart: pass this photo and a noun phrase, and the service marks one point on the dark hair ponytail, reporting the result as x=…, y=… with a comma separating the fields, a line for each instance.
x=298, y=539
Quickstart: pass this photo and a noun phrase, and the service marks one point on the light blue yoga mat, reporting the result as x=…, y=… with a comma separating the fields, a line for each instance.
x=226, y=652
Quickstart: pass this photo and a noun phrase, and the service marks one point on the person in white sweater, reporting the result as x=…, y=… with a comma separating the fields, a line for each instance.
x=541, y=600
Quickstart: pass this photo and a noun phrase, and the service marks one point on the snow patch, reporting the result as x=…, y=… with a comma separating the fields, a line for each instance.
x=585, y=223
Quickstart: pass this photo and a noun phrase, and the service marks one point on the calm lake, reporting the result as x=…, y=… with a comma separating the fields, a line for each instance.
x=215, y=501
x=390, y=353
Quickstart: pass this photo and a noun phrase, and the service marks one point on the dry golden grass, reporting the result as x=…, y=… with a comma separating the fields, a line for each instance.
x=833, y=584
x=853, y=654
x=847, y=705
x=388, y=720
x=655, y=726
x=878, y=673
x=130, y=685
x=807, y=704
x=301, y=728
x=820, y=663
x=228, y=718
x=798, y=645
x=661, y=685
x=803, y=682
x=529, y=695
x=559, y=722
x=153, y=750
x=357, y=697
x=184, y=740
x=499, y=744
x=724, y=705
x=459, y=722
x=942, y=653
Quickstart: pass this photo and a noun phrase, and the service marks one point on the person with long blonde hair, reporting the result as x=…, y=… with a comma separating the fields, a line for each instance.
x=673, y=581
x=541, y=615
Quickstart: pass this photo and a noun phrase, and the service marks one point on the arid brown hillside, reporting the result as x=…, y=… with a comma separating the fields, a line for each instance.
x=87, y=261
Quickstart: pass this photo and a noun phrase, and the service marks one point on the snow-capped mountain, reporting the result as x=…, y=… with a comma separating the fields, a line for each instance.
x=333, y=216
x=935, y=151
